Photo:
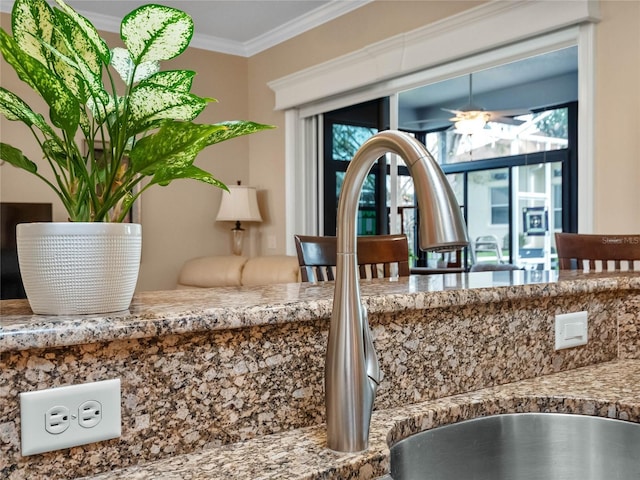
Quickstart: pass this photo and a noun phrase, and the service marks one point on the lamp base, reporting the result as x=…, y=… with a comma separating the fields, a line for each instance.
x=237, y=239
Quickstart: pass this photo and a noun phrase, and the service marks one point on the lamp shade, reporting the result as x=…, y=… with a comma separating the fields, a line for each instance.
x=239, y=205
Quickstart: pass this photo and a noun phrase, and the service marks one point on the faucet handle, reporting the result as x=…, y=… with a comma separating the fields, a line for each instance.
x=370, y=357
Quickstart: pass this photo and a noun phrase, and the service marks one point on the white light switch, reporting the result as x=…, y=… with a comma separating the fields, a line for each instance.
x=571, y=330
x=574, y=330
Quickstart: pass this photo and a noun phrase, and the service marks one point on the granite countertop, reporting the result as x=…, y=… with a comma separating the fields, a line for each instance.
x=608, y=390
x=183, y=311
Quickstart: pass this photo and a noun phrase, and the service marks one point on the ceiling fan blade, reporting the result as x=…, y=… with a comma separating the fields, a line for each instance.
x=507, y=120
x=516, y=112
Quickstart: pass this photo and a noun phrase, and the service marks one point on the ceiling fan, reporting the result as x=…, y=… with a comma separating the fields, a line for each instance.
x=472, y=117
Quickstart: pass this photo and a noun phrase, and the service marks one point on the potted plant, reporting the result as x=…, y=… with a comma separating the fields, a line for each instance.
x=113, y=101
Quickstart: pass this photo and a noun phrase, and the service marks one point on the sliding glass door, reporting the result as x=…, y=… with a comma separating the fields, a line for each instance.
x=513, y=204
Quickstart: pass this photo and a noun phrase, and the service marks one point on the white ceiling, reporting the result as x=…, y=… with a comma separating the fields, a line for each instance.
x=237, y=27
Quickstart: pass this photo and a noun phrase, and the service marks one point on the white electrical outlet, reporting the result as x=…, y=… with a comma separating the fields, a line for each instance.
x=90, y=414
x=572, y=330
x=65, y=417
x=56, y=419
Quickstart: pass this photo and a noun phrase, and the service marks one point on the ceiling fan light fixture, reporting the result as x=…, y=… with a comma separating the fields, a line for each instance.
x=471, y=122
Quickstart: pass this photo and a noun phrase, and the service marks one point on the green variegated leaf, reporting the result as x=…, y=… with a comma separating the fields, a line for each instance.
x=145, y=70
x=156, y=33
x=122, y=63
x=13, y=108
x=100, y=110
x=85, y=124
x=82, y=48
x=66, y=68
x=32, y=24
x=166, y=175
x=175, y=145
x=149, y=103
x=127, y=201
x=37, y=36
x=89, y=32
x=234, y=129
x=16, y=158
x=54, y=151
x=64, y=108
x=178, y=80
x=84, y=56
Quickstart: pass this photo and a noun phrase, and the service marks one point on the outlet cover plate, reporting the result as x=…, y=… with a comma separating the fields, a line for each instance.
x=36, y=438
x=571, y=330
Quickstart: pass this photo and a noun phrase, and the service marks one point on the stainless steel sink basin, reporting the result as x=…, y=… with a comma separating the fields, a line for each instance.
x=527, y=446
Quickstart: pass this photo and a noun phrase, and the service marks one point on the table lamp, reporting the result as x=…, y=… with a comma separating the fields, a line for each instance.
x=240, y=204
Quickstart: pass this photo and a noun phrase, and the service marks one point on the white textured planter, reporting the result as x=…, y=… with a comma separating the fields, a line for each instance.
x=79, y=268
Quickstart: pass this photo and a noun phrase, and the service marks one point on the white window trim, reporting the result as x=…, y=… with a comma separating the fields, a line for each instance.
x=488, y=35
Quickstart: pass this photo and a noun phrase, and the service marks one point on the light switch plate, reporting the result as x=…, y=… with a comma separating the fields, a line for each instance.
x=571, y=330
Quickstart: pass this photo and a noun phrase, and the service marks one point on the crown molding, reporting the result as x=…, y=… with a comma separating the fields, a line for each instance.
x=306, y=22
x=284, y=32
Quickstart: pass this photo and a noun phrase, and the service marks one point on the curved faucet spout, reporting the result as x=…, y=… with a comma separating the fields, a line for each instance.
x=352, y=373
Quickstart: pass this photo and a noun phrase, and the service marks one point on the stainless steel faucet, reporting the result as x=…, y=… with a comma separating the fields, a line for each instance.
x=352, y=372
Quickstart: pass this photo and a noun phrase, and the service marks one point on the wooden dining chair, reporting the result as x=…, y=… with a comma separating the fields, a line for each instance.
x=376, y=256
x=598, y=252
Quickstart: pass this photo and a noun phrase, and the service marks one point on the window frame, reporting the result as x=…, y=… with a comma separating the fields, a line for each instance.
x=504, y=205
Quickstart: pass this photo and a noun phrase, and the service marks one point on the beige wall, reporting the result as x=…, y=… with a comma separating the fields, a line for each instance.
x=617, y=135
x=178, y=221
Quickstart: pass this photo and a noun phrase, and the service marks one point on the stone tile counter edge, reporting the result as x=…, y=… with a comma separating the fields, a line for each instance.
x=184, y=311
x=608, y=390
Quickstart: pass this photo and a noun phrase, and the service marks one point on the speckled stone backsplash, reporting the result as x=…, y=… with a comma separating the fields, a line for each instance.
x=198, y=388
x=629, y=327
